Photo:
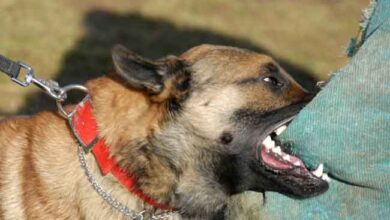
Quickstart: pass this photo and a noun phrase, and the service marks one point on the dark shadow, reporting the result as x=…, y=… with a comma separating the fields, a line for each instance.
x=151, y=38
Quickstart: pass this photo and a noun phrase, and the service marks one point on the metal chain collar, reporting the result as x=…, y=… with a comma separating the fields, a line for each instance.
x=114, y=203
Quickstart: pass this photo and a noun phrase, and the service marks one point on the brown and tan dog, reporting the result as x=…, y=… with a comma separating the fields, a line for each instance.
x=188, y=128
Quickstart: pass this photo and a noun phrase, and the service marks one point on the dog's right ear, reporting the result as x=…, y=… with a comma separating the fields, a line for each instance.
x=140, y=73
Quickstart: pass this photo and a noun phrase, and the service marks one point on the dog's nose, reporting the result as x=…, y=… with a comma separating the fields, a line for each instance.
x=299, y=94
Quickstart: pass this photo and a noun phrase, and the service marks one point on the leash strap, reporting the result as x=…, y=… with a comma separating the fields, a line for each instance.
x=9, y=67
x=13, y=69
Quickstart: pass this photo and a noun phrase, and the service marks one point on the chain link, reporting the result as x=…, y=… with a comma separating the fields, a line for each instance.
x=163, y=215
x=114, y=203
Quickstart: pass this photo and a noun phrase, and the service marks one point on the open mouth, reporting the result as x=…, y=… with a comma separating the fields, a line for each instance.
x=276, y=158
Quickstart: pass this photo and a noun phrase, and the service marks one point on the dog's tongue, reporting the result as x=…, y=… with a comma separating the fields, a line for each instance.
x=274, y=157
x=280, y=160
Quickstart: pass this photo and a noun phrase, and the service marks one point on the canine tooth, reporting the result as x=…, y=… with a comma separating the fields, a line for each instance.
x=319, y=171
x=280, y=130
x=267, y=140
x=277, y=150
x=325, y=177
x=268, y=143
x=272, y=145
x=286, y=157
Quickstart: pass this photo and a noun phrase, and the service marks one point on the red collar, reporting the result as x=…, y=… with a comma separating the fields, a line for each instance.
x=85, y=129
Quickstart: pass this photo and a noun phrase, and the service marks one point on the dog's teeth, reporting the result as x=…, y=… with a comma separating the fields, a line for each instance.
x=267, y=140
x=277, y=150
x=280, y=130
x=325, y=177
x=272, y=145
x=297, y=163
x=319, y=171
x=268, y=143
x=286, y=157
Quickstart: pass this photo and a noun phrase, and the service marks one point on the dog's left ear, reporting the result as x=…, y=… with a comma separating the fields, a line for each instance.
x=140, y=73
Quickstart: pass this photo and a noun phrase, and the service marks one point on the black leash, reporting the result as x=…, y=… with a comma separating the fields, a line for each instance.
x=13, y=69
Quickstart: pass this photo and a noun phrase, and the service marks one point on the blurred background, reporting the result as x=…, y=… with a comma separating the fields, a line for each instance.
x=70, y=40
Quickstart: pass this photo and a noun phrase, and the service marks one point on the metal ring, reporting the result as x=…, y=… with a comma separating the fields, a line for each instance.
x=64, y=90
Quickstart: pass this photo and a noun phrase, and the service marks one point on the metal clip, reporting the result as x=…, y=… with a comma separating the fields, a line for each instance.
x=28, y=77
x=48, y=86
x=51, y=88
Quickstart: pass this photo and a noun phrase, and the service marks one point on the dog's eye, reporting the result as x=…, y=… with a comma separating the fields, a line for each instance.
x=272, y=81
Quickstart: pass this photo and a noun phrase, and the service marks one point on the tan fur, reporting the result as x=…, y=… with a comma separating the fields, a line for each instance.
x=40, y=175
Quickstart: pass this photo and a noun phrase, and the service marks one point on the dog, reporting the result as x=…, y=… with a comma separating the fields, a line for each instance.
x=186, y=131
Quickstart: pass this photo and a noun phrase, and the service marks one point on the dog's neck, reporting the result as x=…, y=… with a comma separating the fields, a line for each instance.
x=127, y=120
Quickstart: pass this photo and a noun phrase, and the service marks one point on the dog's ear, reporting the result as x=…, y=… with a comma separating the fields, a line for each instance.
x=138, y=72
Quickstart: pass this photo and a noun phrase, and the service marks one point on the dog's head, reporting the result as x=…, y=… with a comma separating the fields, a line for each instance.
x=222, y=108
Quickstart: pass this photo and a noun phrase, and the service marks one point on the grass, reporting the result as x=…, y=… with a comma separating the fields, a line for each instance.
x=70, y=40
